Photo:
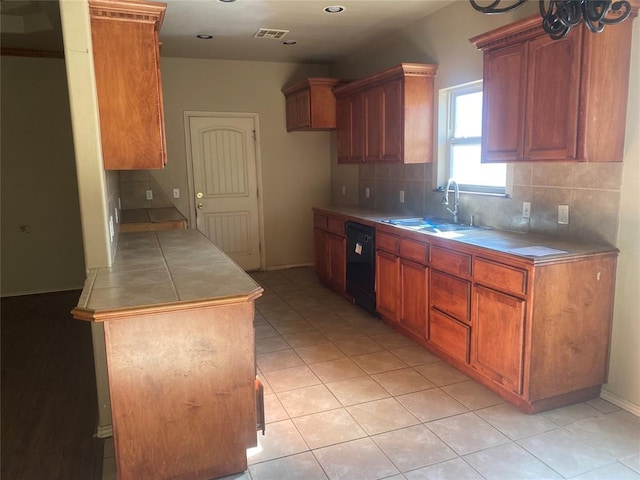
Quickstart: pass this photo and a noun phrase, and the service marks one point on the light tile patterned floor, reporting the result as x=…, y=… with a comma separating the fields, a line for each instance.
x=348, y=398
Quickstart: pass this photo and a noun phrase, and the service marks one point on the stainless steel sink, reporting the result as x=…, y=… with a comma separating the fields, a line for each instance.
x=429, y=225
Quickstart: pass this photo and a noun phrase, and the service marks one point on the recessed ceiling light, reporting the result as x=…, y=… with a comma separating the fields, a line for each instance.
x=227, y=1
x=289, y=42
x=334, y=9
x=204, y=36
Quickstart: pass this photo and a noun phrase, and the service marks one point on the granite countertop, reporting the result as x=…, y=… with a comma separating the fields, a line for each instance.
x=533, y=247
x=161, y=271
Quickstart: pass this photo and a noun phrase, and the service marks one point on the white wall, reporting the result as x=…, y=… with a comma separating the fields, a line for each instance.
x=41, y=236
x=624, y=368
x=295, y=166
x=96, y=188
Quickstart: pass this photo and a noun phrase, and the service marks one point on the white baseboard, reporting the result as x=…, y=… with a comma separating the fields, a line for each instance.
x=284, y=267
x=620, y=402
x=104, y=431
x=36, y=292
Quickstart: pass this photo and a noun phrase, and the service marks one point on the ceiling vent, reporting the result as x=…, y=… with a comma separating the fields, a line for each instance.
x=270, y=33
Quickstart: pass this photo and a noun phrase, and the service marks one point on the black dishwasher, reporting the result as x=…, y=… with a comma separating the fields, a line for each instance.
x=361, y=266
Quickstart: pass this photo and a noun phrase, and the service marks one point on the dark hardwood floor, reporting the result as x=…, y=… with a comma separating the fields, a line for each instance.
x=49, y=406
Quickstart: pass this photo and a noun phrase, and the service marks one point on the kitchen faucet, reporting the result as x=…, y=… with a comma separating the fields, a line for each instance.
x=456, y=198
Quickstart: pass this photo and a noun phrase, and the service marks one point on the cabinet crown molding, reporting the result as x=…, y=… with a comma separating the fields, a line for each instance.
x=523, y=30
x=399, y=71
x=132, y=11
x=312, y=82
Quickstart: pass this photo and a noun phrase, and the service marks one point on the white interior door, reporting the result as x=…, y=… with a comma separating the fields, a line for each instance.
x=225, y=182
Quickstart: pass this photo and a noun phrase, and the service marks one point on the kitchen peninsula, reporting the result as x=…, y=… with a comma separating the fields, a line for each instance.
x=178, y=320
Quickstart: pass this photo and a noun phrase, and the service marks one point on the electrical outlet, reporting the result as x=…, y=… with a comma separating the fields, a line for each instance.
x=149, y=194
x=401, y=196
x=526, y=209
x=563, y=214
x=344, y=190
x=176, y=193
x=367, y=192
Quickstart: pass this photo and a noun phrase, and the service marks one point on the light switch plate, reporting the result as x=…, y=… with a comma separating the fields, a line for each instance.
x=526, y=209
x=149, y=194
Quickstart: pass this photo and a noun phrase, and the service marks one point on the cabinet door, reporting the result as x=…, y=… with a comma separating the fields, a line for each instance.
x=387, y=285
x=343, y=129
x=127, y=70
x=393, y=127
x=292, y=112
x=350, y=126
x=504, y=89
x=357, y=128
x=374, y=124
x=303, y=108
x=498, y=337
x=551, y=123
x=414, y=297
x=320, y=254
x=336, y=246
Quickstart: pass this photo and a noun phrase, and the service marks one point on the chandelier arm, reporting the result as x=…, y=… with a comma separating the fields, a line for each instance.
x=560, y=16
x=569, y=12
x=593, y=12
x=493, y=7
x=623, y=5
x=552, y=22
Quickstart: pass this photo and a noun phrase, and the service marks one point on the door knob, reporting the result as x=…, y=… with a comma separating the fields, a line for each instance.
x=200, y=205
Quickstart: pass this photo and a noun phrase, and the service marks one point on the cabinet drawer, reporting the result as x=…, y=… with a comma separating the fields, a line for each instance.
x=503, y=277
x=387, y=242
x=335, y=226
x=450, y=336
x=416, y=251
x=450, y=261
x=451, y=295
x=320, y=221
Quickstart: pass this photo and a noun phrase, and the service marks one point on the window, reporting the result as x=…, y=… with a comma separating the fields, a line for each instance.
x=464, y=131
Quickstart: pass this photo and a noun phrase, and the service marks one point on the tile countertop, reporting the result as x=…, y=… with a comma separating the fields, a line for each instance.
x=506, y=242
x=163, y=271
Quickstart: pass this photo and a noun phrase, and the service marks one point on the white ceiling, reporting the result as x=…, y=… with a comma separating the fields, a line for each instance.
x=320, y=37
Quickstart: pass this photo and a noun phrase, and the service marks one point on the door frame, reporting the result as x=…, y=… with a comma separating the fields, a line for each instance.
x=192, y=204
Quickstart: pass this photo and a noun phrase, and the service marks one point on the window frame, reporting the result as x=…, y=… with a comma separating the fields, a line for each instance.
x=447, y=142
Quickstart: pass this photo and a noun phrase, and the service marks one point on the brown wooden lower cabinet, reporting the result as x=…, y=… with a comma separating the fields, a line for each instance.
x=535, y=331
x=414, y=298
x=402, y=280
x=336, y=248
x=498, y=337
x=183, y=396
x=329, y=252
x=387, y=285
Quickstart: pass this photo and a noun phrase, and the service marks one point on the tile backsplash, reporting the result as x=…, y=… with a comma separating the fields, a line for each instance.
x=133, y=187
x=592, y=191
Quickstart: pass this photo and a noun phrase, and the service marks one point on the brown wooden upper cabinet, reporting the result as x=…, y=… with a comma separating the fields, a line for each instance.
x=127, y=67
x=311, y=104
x=388, y=116
x=560, y=100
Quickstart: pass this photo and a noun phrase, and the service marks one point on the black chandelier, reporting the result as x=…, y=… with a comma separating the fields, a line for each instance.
x=559, y=16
